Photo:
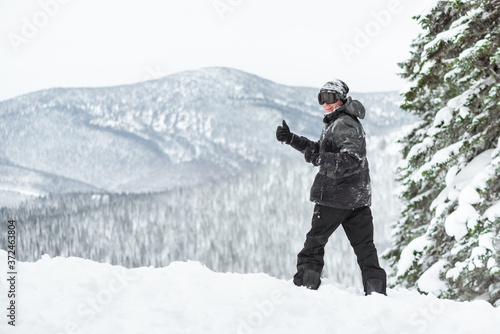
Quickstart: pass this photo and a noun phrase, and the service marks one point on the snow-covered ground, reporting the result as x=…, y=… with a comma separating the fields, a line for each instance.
x=74, y=295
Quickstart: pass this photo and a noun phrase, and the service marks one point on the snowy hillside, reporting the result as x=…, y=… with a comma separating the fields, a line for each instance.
x=73, y=295
x=180, y=130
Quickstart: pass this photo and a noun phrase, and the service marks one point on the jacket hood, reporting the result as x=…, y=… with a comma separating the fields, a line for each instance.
x=354, y=108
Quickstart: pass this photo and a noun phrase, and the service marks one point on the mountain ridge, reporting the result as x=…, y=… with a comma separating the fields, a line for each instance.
x=155, y=135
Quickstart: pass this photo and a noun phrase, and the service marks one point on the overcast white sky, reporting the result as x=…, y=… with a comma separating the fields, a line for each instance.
x=75, y=43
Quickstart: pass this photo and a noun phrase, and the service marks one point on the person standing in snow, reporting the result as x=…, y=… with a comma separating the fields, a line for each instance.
x=341, y=190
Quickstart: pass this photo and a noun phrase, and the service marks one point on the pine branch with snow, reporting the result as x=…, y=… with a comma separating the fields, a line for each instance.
x=447, y=241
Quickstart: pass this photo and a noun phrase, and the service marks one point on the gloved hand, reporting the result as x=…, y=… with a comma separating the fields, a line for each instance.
x=283, y=133
x=311, y=154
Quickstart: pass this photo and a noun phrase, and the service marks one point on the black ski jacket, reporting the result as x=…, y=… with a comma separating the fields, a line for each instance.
x=343, y=180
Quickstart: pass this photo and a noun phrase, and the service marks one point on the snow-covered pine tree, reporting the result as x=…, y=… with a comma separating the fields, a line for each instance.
x=447, y=241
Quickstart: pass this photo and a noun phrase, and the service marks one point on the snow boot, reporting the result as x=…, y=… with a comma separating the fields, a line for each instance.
x=374, y=285
x=308, y=278
x=311, y=279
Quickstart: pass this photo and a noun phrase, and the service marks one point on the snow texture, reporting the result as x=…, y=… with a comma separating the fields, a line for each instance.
x=407, y=255
x=463, y=187
x=440, y=157
x=445, y=36
x=420, y=147
x=493, y=212
x=455, y=32
x=468, y=195
x=486, y=241
x=443, y=117
x=73, y=295
x=430, y=282
x=472, y=173
x=457, y=222
x=455, y=272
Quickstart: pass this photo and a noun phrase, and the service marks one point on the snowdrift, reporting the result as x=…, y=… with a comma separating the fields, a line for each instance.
x=74, y=295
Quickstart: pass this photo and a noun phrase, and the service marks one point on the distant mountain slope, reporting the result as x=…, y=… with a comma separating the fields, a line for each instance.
x=176, y=131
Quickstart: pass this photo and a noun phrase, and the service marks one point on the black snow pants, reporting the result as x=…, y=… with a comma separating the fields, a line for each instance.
x=358, y=226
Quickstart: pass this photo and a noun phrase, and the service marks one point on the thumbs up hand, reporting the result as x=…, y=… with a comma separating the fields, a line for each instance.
x=283, y=133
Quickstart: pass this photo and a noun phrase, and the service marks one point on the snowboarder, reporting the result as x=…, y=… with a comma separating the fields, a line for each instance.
x=341, y=190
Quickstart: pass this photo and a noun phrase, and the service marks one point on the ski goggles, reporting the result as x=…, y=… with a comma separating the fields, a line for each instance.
x=328, y=97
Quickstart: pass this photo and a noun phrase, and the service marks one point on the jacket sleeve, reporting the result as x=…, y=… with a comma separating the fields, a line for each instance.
x=351, y=141
x=301, y=143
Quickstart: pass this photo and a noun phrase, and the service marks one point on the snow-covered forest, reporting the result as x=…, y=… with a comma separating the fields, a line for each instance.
x=253, y=222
